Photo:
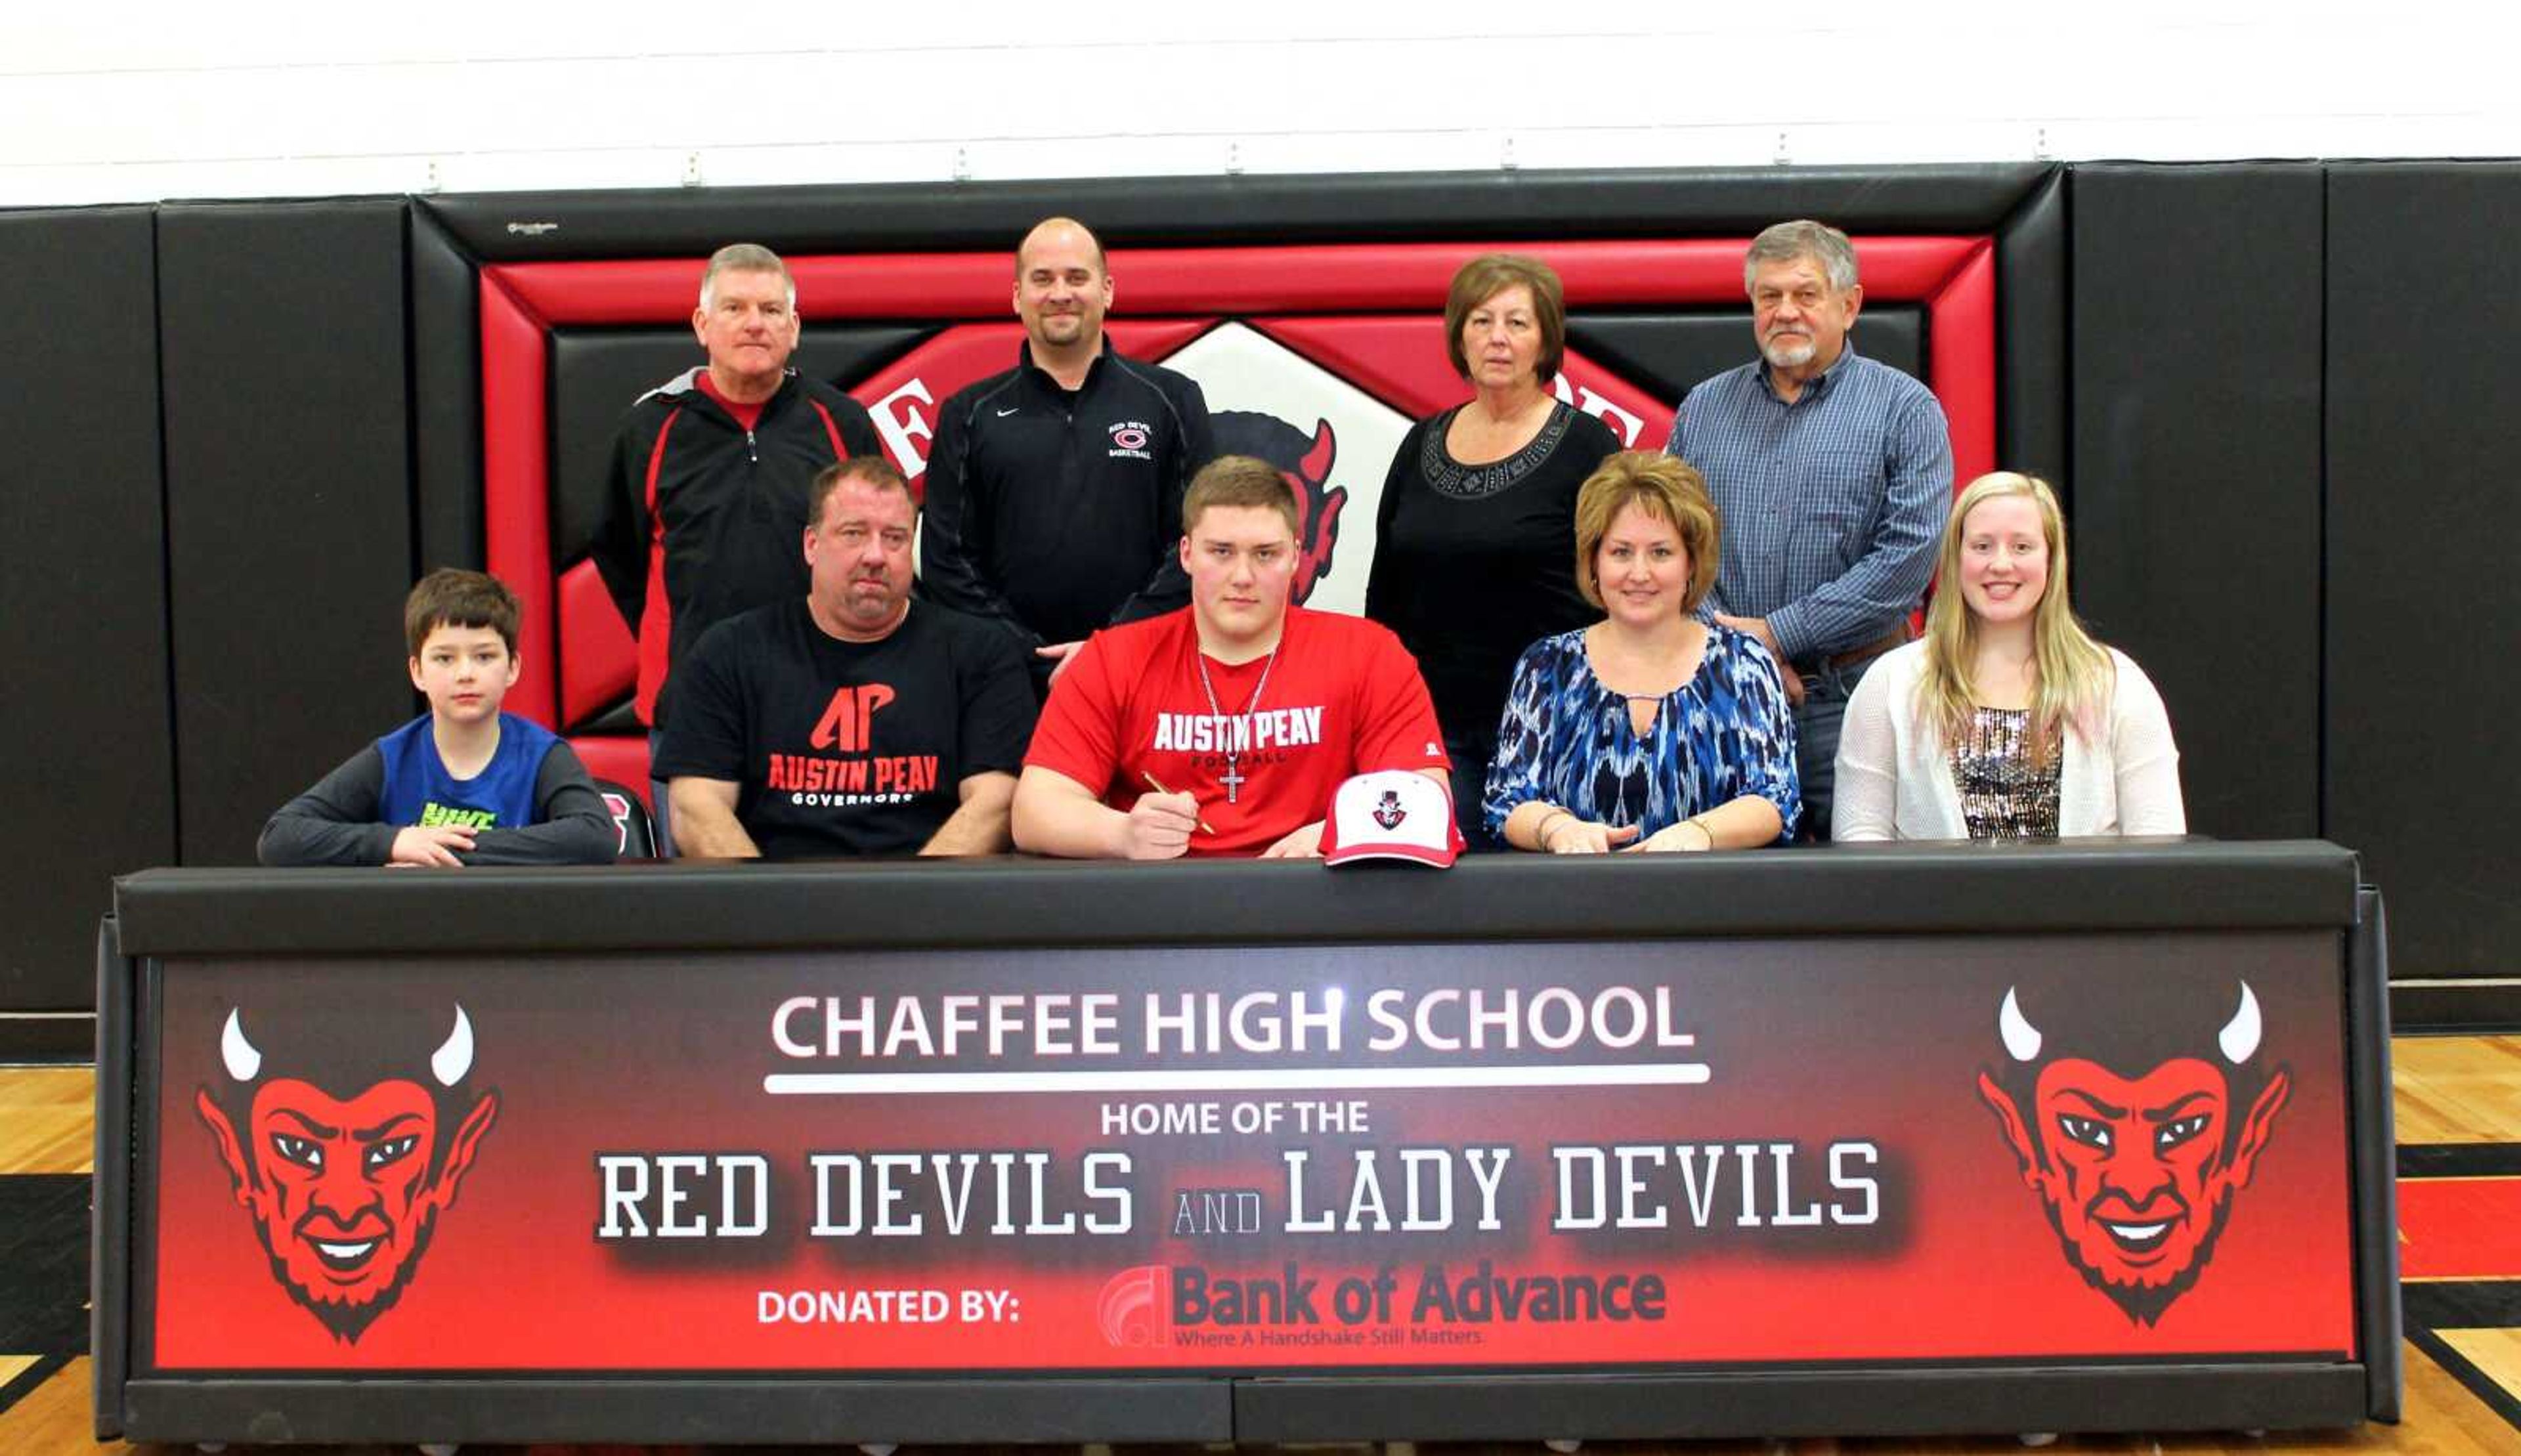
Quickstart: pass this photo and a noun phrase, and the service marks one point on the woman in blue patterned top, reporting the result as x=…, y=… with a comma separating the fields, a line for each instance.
x=1651, y=729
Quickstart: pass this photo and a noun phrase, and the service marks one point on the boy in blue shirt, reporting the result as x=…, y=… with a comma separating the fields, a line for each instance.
x=464, y=784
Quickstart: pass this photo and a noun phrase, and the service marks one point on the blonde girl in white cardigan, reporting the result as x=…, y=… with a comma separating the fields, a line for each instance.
x=2006, y=720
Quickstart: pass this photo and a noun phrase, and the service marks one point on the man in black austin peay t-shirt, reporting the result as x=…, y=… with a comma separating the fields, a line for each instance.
x=852, y=722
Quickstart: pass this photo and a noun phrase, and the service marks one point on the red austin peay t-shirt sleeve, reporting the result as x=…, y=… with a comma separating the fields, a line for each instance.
x=1344, y=697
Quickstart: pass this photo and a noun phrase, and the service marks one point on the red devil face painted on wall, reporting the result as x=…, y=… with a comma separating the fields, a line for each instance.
x=1306, y=463
x=2137, y=1173
x=346, y=1190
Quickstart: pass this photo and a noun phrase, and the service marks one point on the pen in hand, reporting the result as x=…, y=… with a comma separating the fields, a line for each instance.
x=1152, y=783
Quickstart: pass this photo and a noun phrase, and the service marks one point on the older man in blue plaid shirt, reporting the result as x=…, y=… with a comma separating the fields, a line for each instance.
x=1832, y=474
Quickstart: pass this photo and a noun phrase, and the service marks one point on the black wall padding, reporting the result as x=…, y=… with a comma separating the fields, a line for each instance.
x=446, y=397
x=2196, y=350
x=597, y=374
x=1667, y=354
x=2424, y=520
x=507, y=227
x=289, y=499
x=85, y=766
x=2033, y=394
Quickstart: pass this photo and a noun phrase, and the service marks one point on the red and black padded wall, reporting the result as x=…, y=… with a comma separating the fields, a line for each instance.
x=287, y=499
x=86, y=756
x=239, y=430
x=2197, y=483
x=563, y=340
x=2421, y=449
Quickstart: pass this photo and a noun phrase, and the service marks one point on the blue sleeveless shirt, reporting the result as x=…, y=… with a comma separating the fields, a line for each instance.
x=418, y=789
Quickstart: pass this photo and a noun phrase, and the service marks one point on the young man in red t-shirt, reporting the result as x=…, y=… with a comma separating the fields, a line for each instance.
x=1223, y=728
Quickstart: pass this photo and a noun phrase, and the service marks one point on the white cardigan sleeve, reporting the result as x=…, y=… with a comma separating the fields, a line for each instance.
x=2146, y=761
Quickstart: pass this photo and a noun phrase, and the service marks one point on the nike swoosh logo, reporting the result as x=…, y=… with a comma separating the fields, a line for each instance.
x=1002, y=414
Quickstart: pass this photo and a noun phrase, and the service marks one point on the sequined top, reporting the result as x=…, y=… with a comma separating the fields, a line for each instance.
x=1568, y=739
x=2003, y=795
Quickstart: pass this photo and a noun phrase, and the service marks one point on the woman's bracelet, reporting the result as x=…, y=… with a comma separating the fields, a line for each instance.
x=1703, y=828
x=1541, y=831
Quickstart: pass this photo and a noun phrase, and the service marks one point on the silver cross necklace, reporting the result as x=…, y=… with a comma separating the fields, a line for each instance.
x=1233, y=779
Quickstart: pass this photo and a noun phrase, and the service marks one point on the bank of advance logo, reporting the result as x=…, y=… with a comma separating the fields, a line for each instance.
x=344, y=1191
x=2137, y=1174
x=1131, y=1311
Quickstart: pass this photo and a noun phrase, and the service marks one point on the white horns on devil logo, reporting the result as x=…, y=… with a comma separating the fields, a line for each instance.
x=2238, y=1039
x=448, y=1064
x=2021, y=1038
x=2240, y=1035
x=242, y=1060
x=451, y=1060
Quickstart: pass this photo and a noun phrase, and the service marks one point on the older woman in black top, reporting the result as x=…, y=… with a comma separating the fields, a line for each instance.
x=1476, y=534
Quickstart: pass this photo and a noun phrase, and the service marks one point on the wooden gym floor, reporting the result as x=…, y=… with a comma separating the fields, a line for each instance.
x=2460, y=1164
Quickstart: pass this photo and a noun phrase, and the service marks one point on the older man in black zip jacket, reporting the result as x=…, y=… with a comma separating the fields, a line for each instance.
x=711, y=471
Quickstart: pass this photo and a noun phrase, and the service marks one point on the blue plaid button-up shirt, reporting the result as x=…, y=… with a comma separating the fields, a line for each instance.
x=1832, y=506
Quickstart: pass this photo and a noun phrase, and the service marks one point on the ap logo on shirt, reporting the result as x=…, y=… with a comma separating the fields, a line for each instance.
x=847, y=724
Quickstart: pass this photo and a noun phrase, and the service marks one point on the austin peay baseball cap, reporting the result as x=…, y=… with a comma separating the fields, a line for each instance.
x=1395, y=814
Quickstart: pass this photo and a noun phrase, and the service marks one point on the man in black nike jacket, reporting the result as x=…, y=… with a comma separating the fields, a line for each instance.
x=1054, y=489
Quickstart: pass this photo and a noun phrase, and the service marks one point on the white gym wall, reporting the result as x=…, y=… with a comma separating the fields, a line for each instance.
x=137, y=104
